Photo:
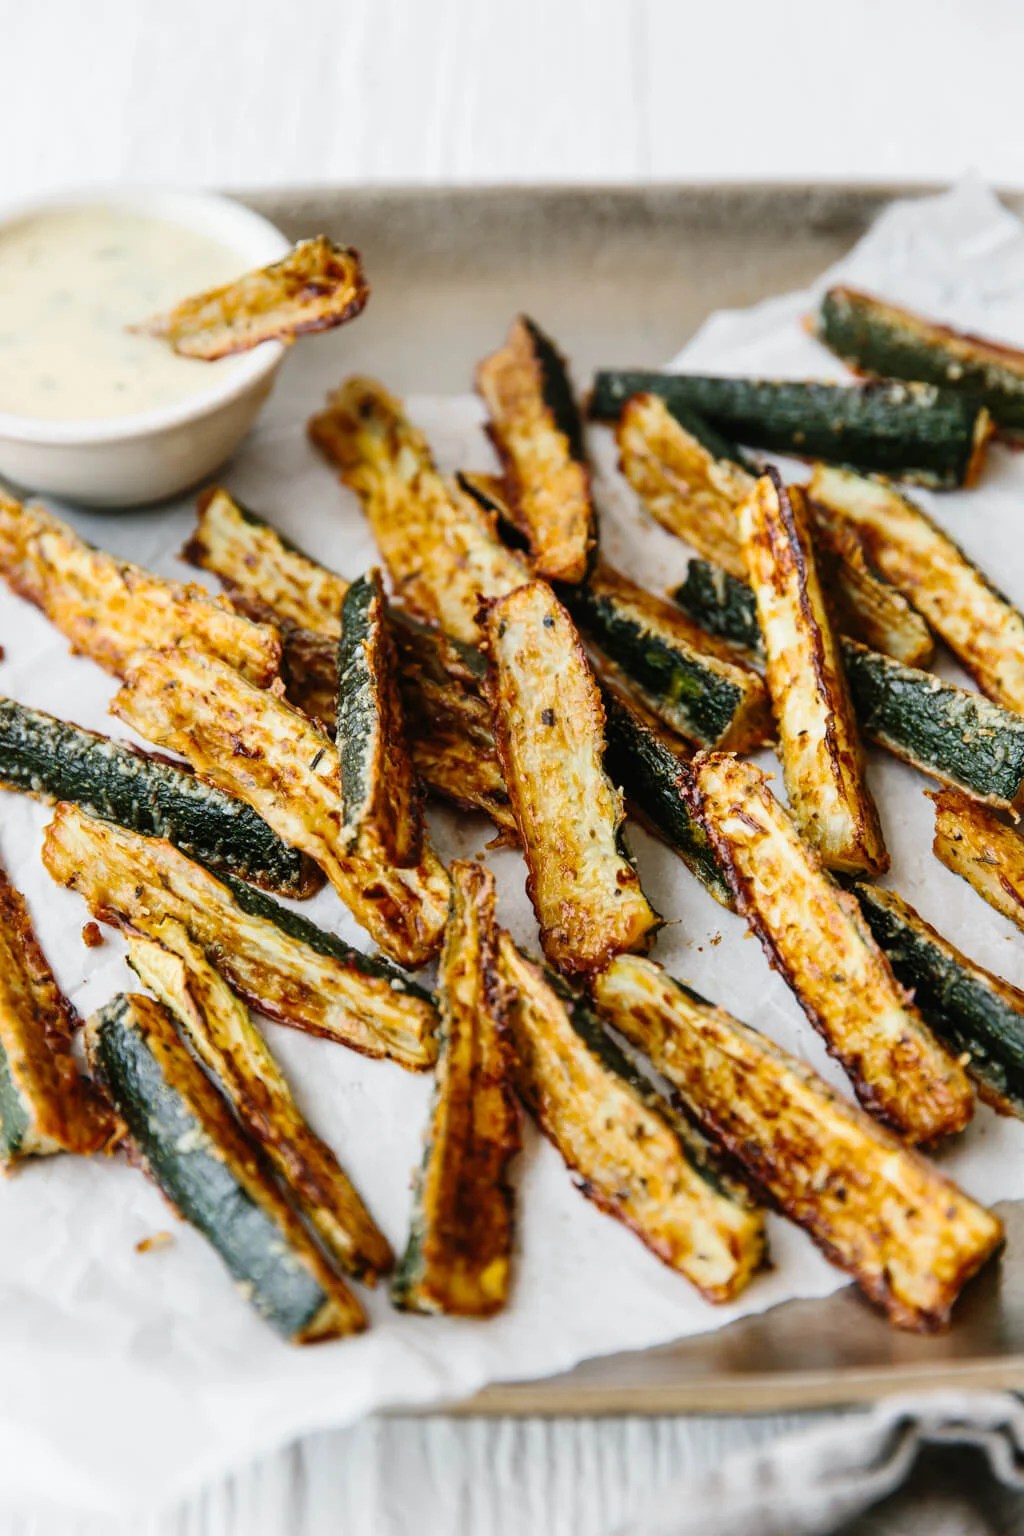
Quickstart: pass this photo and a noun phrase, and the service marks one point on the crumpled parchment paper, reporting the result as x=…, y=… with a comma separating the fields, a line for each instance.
x=129, y=1377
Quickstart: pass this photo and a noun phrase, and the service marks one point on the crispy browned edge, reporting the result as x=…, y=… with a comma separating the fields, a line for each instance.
x=518, y=354
x=77, y=1119
x=747, y=907
x=474, y=1226
x=570, y=964
x=315, y=271
x=842, y=742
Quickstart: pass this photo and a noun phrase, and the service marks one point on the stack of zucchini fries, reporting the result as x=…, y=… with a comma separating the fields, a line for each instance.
x=498, y=662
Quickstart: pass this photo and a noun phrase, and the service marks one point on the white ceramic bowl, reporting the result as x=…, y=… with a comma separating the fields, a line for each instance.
x=133, y=459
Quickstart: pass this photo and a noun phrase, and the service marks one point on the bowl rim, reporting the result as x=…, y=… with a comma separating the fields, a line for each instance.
x=257, y=240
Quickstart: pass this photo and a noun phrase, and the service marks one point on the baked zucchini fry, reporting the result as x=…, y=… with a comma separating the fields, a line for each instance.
x=972, y=842
x=697, y=685
x=278, y=961
x=908, y=1237
x=317, y=286
x=653, y=775
x=251, y=743
x=874, y=337
x=440, y=549
x=459, y=1251
x=951, y=733
x=55, y=760
x=631, y=1152
x=689, y=489
x=549, y=727
x=698, y=497
x=109, y=609
x=815, y=936
x=45, y=1104
x=196, y=1153
x=820, y=750
x=979, y=1015
x=251, y=557
x=979, y=624
x=912, y=432
x=380, y=793
x=225, y=1039
x=536, y=428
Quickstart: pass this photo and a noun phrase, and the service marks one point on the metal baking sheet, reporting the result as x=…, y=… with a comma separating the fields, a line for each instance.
x=626, y=275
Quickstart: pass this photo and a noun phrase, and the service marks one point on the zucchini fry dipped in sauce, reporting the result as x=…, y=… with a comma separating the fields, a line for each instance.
x=632, y=1154
x=695, y=684
x=821, y=753
x=46, y=1105
x=380, y=793
x=450, y=722
x=908, y=1237
x=814, y=934
x=979, y=624
x=459, y=1248
x=55, y=760
x=317, y=286
x=912, y=432
x=535, y=425
x=197, y=1154
x=549, y=727
x=278, y=961
x=440, y=549
x=250, y=742
x=697, y=496
x=875, y=337
x=978, y=1015
x=218, y=1027
x=654, y=775
x=109, y=609
x=972, y=842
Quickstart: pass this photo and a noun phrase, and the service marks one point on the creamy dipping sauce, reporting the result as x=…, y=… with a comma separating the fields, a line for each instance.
x=70, y=282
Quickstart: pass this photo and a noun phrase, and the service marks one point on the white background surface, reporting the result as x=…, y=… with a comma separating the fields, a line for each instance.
x=248, y=93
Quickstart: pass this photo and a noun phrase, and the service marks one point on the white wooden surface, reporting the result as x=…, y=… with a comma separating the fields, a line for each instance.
x=253, y=92
x=247, y=93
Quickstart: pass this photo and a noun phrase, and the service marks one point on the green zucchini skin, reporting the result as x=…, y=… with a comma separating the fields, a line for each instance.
x=967, y=1007
x=721, y=604
x=952, y=733
x=892, y=343
x=196, y=1153
x=56, y=760
x=677, y=682
x=653, y=779
x=914, y=432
